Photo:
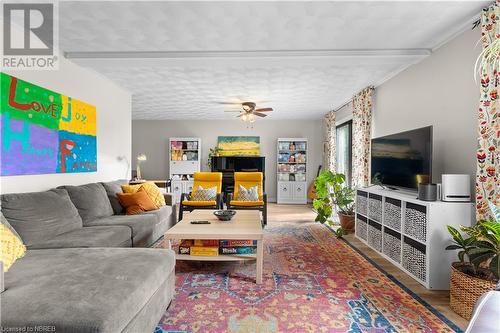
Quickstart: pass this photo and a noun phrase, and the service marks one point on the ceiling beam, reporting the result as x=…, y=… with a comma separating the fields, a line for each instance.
x=363, y=53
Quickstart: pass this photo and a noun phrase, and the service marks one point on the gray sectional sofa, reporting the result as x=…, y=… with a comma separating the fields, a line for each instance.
x=80, y=273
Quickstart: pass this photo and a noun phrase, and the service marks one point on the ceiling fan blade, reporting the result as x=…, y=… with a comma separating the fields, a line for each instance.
x=227, y=103
x=239, y=115
x=264, y=110
x=258, y=114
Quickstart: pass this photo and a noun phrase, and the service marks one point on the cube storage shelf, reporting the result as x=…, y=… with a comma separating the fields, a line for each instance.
x=292, y=171
x=411, y=233
x=184, y=160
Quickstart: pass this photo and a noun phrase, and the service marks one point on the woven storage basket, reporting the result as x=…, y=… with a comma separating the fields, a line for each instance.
x=465, y=290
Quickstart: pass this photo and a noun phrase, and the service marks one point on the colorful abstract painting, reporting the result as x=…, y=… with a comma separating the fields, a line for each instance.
x=239, y=145
x=44, y=132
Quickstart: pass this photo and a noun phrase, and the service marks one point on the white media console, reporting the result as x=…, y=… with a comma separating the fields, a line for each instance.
x=411, y=233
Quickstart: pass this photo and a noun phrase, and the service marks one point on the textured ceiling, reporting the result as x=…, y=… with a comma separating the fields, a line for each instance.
x=296, y=87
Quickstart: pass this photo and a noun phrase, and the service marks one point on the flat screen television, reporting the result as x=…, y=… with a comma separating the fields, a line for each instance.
x=404, y=159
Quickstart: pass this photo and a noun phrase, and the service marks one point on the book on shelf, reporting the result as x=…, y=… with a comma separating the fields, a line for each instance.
x=206, y=242
x=185, y=246
x=208, y=251
x=237, y=242
x=238, y=250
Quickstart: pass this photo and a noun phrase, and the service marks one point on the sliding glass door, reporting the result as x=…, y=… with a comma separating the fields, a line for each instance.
x=344, y=149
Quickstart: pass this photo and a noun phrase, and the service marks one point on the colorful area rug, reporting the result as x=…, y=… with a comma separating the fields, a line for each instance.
x=313, y=282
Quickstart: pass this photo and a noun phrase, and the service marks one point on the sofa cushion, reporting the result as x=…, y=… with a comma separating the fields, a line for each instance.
x=83, y=290
x=111, y=189
x=106, y=236
x=166, y=220
x=91, y=201
x=40, y=216
x=142, y=226
x=164, y=213
x=136, y=202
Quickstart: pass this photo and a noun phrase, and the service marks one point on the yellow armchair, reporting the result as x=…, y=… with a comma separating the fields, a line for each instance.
x=205, y=180
x=249, y=180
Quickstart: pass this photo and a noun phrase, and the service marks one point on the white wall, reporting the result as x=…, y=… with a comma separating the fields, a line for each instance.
x=438, y=91
x=113, y=107
x=151, y=138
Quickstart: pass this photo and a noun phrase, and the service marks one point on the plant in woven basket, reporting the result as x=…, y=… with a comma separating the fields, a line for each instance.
x=333, y=194
x=478, y=268
x=479, y=254
x=485, y=251
x=481, y=247
x=460, y=243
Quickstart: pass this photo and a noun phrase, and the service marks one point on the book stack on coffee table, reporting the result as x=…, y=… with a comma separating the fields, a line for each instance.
x=213, y=247
x=235, y=246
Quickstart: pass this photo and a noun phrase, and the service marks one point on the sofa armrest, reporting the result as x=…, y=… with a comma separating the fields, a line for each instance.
x=169, y=198
x=485, y=310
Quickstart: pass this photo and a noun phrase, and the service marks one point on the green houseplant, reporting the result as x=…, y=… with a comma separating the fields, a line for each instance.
x=213, y=152
x=333, y=194
x=478, y=268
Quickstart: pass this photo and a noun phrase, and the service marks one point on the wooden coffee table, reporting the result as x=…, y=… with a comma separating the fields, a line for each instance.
x=246, y=224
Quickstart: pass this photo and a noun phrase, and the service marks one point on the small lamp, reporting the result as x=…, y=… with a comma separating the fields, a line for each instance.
x=140, y=158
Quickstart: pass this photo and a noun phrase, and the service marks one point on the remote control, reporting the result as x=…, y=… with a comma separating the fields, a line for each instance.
x=200, y=222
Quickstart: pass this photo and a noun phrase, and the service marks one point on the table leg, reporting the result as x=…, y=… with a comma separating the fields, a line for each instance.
x=260, y=261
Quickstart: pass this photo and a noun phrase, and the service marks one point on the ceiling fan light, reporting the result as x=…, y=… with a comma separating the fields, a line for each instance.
x=244, y=117
x=251, y=117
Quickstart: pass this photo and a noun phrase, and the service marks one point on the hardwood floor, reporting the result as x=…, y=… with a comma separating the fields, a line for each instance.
x=438, y=299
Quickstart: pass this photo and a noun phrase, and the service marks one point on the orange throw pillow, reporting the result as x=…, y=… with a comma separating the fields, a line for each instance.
x=137, y=202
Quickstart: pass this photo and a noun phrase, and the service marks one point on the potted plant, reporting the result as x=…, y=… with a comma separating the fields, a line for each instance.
x=333, y=194
x=213, y=152
x=478, y=268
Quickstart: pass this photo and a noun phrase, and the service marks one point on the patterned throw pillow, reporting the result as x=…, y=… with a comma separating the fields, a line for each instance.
x=151, y=189
x=204, y=194
x=251, y=194
x=12, y=248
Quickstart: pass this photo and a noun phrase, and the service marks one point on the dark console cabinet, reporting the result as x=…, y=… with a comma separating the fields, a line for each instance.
x=228, y=165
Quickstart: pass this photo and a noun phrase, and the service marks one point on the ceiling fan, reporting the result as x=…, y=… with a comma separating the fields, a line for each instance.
x=248, y=111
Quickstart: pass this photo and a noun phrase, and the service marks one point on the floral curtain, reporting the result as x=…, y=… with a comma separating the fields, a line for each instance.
x=361, y=135
x=330, y=134
x=488, y=159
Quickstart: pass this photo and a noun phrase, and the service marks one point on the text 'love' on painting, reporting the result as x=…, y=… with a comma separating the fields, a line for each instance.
x=44, y=132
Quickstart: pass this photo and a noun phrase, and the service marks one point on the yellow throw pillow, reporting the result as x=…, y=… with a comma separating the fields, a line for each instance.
x=12, y=247
x=151, y=189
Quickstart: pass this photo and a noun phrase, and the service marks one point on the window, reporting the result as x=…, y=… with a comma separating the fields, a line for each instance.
x=344, y=149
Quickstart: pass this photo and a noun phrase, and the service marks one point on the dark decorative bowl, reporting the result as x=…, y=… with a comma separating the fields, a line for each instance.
x=224, y=215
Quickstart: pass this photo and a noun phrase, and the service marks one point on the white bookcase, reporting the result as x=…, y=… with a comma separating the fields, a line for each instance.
x=411, y=233
x=292, y=171
x=184, y=160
